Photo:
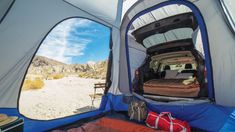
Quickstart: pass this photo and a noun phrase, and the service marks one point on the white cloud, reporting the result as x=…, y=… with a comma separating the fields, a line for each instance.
x=61, y=45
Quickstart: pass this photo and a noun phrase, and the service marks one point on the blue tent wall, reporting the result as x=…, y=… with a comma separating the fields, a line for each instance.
x=32, y=125
x=109, y=102
x=114, y=102
x=206, y=116
x=40, y=125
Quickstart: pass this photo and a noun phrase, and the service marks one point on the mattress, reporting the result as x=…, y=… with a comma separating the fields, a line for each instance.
x=171, y=87
x=111, y=125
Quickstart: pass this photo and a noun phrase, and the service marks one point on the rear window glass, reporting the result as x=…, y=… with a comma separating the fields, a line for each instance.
x=179, y=67
x=172, y=35
x=229, y=10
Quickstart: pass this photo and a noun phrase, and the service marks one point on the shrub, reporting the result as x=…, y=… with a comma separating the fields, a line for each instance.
x=55, y=76
x=33, y=84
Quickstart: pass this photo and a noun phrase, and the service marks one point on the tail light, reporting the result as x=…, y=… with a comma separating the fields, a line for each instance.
x=205, y=75
x=137, y=74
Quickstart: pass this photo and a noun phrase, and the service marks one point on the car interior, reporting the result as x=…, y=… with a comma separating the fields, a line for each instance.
x=173, y=69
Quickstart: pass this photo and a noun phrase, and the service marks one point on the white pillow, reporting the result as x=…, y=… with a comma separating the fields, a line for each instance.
x=184, y=75
x=171, y=74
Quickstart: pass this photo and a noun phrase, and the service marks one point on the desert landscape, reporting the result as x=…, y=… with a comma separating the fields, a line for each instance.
x=53, y=89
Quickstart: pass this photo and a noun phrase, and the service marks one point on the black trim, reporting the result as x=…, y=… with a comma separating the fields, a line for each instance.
x=19, y=93
x=1, y=20
x=109, y=67
x=177, y=45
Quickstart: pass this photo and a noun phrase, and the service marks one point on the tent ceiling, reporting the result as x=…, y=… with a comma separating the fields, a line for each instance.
x=126, y=6
x=106, y=10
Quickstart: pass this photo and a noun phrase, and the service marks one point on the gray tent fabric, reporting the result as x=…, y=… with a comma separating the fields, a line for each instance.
x=24, y=28
x=222, y=48
x=197, y=41
x=137, y=55
x=114, y=88
x=106, y=10
x=4, y=7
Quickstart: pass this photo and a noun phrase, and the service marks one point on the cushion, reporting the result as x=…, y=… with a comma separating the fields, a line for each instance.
x=171, y=74
x=184, y=75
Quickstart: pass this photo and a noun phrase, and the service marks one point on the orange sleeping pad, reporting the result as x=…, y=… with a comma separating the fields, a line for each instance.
x=171, y=87
x=111, y=125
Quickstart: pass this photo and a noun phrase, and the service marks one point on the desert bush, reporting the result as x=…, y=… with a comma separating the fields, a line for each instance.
x=55, y=76
x=37, y=83
x=82, y=75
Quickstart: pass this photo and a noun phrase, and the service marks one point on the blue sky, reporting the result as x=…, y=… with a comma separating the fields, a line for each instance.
x=75, y=41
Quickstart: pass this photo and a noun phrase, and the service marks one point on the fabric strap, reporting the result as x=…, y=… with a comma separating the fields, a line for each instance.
x=171, y=122
x=132, y=112
x=138, y=109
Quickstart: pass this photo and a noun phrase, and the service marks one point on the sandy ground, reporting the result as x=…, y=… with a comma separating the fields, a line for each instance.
x=59, y=98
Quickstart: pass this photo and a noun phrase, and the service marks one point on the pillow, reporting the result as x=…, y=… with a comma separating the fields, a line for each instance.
x=171, y=74
x=184, y=75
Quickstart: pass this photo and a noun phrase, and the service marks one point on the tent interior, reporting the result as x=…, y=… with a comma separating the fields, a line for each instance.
x=162, y=52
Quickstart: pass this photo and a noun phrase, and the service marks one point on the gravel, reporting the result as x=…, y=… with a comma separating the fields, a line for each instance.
x=59, y=98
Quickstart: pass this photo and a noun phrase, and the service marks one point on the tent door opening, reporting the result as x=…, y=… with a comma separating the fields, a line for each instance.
x=176, y=63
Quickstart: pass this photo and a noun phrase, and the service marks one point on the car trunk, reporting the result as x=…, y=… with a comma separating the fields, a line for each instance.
x=148, y=81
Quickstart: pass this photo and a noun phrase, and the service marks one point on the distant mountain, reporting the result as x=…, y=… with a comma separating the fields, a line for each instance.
x=43, y=61
x=45, y=66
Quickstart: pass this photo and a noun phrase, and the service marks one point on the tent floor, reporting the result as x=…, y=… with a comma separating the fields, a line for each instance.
x=112, y=114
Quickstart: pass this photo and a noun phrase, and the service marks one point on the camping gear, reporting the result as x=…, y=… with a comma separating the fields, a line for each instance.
x=137, y=110
x=171, y=87
x=165, y=121
x=3, y=117
x=12, y=124
x=8, y=120
x=189, y=81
